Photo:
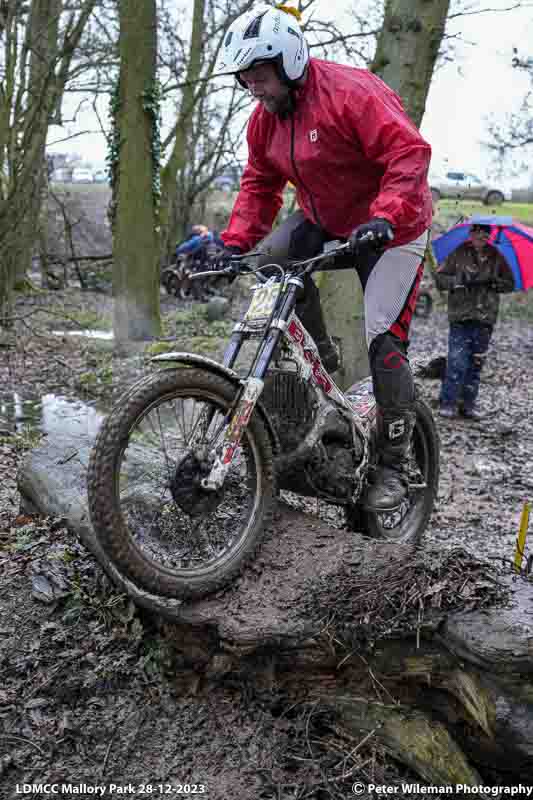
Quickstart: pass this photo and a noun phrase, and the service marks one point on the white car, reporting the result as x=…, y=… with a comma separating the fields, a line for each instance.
x=80, y=175
x=466, y=186
x=101, y=176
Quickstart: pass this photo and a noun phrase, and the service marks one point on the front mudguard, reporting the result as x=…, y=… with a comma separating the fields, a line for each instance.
x=209, y=364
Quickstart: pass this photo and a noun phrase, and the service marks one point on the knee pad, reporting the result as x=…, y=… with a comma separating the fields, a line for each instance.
x=394, y=386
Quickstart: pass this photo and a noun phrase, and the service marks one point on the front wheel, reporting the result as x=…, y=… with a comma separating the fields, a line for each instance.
x=149, y=512
x=407, y=524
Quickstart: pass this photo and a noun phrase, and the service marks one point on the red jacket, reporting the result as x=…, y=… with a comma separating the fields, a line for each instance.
x=356, y=152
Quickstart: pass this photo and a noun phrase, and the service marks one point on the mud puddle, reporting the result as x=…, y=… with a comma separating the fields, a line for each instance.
x=48, y=414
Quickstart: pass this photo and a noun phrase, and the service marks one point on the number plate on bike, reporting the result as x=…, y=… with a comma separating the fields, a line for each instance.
x=263, y=303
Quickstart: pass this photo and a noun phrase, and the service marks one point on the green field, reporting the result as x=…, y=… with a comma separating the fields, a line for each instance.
x=448, y=212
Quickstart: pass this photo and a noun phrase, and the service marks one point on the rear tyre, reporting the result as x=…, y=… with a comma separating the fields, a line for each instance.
x=173, y=285
x=165, y=278
x=494, y=199
x=147, y=508
x=408, y=523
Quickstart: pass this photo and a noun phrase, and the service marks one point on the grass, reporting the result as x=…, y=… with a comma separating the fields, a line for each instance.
x=84, y=319
x=194, y=323
x=190, y=330
x=448, y=212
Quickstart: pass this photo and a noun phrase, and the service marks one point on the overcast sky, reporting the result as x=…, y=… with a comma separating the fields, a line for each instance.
x=481, y=82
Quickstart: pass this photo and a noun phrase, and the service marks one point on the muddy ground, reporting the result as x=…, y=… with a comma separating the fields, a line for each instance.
x=89, y=693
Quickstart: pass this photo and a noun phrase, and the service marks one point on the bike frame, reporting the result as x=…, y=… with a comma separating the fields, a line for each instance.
x=283, y=323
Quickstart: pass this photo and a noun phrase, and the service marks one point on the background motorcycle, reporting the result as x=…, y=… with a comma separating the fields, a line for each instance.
x=179, y=279
x=186, y=468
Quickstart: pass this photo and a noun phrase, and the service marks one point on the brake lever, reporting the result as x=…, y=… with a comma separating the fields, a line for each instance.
x=211, y=273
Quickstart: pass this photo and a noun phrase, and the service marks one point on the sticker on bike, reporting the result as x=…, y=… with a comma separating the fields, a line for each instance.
x=263, y=303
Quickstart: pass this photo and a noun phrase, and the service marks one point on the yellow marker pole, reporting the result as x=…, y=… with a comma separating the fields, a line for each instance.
x=522, y=533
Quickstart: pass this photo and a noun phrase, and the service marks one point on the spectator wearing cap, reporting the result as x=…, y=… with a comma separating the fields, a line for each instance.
x=474, y=275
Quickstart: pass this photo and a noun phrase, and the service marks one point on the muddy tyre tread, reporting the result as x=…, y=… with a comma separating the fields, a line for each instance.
x=105, y=515
x=413, y=535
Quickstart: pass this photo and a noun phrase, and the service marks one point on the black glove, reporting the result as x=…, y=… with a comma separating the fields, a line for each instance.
x=374, y=234
x=223, y=259
x=233, y=250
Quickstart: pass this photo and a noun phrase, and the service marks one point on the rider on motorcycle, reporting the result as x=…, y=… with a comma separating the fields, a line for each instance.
x=359, y=165
x=198, y=244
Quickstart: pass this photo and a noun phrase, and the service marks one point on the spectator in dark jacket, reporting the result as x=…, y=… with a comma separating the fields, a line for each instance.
x=474, y=275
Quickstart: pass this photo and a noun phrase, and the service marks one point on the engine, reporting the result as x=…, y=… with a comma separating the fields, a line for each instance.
x=318, y=455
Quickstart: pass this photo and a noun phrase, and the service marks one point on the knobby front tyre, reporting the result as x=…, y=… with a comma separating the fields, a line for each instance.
x=147, y=507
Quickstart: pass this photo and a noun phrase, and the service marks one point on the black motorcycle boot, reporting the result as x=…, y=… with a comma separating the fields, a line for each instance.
x=395, y=393
x=391, y=483
x=309, y=311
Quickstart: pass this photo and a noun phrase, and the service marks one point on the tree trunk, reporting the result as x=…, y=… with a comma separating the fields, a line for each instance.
x=20, y=218
x=408, y=45
x=37, y=64
x=407, y=48
x=136, y=263
x=342, y=298
x=189, y=98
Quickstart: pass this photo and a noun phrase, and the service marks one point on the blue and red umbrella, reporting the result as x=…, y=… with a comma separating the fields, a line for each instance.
x=512, y=239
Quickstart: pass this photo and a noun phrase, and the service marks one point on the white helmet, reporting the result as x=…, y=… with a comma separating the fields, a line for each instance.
x=265, y=33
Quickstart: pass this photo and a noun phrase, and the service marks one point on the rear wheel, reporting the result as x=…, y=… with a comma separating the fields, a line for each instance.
x=147, y=507
x=165, y=276
x=407, y=523
x=494, y=199
x=173, y=285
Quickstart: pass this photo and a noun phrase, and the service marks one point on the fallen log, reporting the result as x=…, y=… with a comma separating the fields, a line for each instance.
x=431, y=651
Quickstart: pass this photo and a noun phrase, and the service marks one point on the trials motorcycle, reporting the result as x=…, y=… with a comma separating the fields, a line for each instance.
x=187, y=467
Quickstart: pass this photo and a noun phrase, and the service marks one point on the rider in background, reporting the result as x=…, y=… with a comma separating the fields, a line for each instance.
x=198, y=241
x=359, y=165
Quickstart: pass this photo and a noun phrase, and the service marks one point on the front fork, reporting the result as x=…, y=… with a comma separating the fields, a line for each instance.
x=239, y=414
x=238, y=420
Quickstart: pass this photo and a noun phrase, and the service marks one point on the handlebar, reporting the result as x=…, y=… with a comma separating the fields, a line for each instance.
x=238, y=263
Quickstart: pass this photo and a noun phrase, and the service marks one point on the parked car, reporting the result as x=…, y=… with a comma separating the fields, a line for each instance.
x=101, y=176
x=80, y=175
x=61, y=175
x=466, y=186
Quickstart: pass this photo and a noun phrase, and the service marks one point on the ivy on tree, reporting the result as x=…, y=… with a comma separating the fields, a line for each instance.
x=151, y=103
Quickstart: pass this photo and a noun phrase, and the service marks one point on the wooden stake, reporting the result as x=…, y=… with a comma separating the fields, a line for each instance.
x=522, y=534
